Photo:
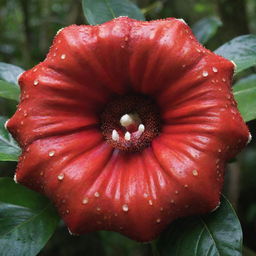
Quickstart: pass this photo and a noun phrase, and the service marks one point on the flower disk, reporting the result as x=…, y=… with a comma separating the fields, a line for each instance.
x=127, y=126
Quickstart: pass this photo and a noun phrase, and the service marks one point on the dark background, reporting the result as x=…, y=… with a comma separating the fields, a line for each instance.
x=27, y=28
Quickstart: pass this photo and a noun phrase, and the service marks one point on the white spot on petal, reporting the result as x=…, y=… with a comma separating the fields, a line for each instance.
x=63, y=56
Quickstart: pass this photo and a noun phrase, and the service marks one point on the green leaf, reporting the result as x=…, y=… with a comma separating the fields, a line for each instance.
x=206, y=28
x=9, y=72
x=27, y=220
x=100, y=11
x=245, y=95
x=215, y=234
x=241, y=50
x=9, y=90
x=9, y=150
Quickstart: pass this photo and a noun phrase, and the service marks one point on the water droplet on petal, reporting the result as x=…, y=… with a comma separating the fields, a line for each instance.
x=145, y=195
x=51, y=153
x=195, y=172
x=96, y=194
x=61, y=176
x=125, y=208
x=205, y=73
x=214, y=69
x=158, y=220
x=63, y=56
x=36, y=82
x=150, y=202
x=85, y=201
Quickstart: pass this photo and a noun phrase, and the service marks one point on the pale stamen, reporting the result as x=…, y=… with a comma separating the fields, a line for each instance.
x=115, y=135
x=127, y=136
x=141, y=128
x=126, y=120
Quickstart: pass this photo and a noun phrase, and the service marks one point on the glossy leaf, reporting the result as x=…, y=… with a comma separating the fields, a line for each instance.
x=218, y=233
x=100, y=11
x=9, y=150
x=241, y=50
x=245, y=95
x=206, y=28
x=9, y=90
x=27, y=220
x=9, y=72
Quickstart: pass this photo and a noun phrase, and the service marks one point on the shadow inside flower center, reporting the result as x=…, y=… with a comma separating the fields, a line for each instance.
x=130, y=122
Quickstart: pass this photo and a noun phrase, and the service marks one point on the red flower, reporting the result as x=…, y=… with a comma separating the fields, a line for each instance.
x=127, y=126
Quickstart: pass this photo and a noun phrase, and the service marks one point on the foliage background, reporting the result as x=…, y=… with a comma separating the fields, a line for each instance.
x=27, y=28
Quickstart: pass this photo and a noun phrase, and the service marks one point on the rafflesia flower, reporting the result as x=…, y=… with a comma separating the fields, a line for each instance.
x=127, y=126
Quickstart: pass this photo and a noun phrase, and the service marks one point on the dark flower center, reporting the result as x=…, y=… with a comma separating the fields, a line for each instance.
x=130, y=122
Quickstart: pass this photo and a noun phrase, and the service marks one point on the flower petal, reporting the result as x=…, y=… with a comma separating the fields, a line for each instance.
x=162, y=51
